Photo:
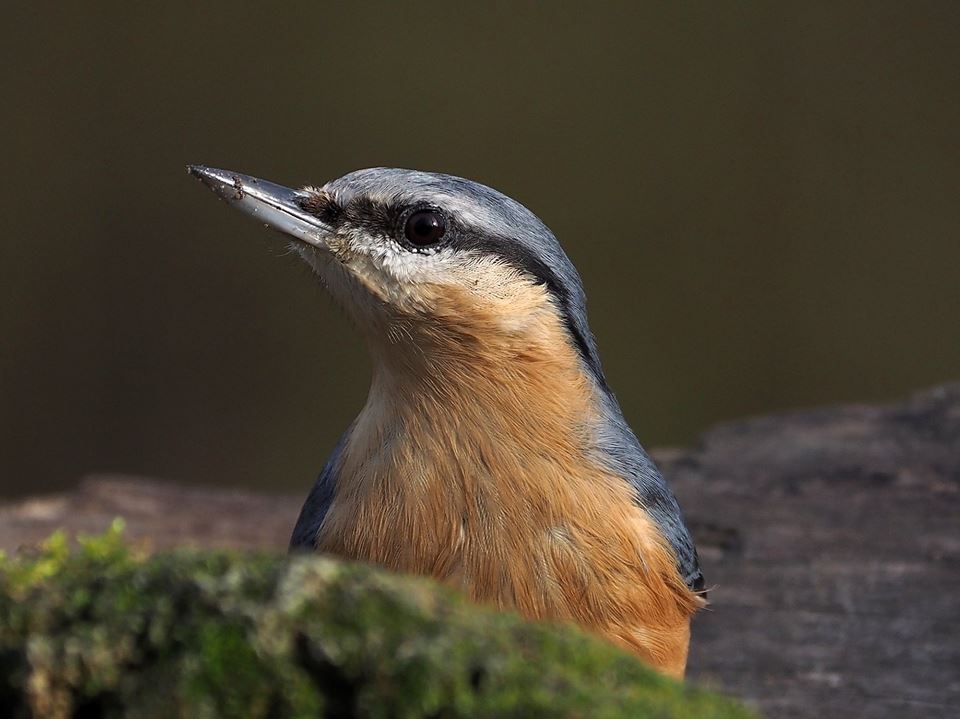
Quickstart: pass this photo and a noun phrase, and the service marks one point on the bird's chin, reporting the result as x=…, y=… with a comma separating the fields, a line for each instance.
x=318, y=259
x=359, y=294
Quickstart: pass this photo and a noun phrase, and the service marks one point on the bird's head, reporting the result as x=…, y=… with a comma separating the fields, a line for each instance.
x=446, y=265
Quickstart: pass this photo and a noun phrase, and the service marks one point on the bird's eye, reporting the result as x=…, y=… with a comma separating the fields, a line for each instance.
x=425, y=228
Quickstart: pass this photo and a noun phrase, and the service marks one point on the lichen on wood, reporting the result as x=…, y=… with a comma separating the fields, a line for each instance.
x=100, y=630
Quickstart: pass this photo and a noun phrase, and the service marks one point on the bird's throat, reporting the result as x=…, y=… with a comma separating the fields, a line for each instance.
x=481, y=474
x=458, y=436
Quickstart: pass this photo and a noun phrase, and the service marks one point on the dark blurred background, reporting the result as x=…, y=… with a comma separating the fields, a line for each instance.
x=762, y=200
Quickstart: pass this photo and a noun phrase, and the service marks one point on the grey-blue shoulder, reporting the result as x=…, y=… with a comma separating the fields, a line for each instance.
x=620, y=450
x=318, y=501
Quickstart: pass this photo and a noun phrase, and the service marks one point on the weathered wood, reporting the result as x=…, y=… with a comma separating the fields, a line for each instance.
x=830, y=538
x=158, y=514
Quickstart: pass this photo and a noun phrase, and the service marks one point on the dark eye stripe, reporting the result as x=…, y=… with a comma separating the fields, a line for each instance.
x=377, y=217
x=322, y=206
x=382, y=219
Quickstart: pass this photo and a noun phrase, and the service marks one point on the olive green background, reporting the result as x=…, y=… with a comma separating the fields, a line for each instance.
x=763, y=200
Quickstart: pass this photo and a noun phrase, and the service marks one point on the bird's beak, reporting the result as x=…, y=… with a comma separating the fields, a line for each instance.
x=274, y=205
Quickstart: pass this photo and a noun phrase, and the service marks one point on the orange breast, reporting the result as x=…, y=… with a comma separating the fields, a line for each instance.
x=479, y=472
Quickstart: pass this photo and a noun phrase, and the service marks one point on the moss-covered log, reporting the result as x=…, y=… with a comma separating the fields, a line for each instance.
x=102, y=631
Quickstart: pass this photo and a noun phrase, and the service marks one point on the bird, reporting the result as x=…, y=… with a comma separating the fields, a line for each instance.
x=491, y=453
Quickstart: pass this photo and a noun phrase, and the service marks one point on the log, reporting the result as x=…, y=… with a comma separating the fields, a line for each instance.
x=830, y=539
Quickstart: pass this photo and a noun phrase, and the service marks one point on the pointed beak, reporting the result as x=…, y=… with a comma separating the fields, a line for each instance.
x=274, y=205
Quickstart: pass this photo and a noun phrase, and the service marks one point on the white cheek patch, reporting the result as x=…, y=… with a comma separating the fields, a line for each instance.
x=364, y=273
x=389, y=270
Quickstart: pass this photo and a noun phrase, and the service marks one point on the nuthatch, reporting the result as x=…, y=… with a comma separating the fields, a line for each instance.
x=490, y=453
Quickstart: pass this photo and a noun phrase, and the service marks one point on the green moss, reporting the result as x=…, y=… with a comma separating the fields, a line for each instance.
x=101, y=631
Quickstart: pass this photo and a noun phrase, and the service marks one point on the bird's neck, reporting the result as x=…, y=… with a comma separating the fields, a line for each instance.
x=461, y=448
x=509, y=385
x=490, y=410
x=494, y=387
x=460, y=421
x=482, y=472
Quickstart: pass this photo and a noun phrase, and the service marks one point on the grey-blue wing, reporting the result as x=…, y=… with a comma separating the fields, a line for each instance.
x=619, y=447
x=653, y=494
x=318, y=502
